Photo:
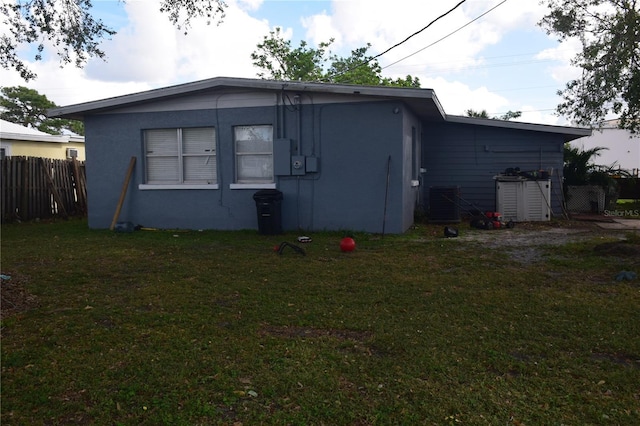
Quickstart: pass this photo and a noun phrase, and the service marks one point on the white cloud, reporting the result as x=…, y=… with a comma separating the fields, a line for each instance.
x=456, y=97
x=150, y=49
x=249, y=5
x=148, y=53
x=530, y=115
x=142, y=51
x=320, y=29
x=355, y=23
x=562, y=71
x=69, y=85
x=509, y=15
x=224, y=50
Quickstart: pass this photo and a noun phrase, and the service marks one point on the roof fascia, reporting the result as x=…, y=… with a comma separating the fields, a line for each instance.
x=569, y=132
x=24, y=137
x=78, y=111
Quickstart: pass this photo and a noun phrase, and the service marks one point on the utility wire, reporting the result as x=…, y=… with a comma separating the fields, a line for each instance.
x=419, y=31
x=448, y=35
x=402, y=42
x=479, y=67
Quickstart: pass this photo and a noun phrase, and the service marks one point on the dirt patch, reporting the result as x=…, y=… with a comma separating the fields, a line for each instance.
x=15, y=297
x=528, y=235
x=625, y=360
x=524, y=243
x=619, y=249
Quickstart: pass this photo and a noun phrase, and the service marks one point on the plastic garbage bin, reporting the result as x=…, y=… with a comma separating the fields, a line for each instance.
x=269, y=209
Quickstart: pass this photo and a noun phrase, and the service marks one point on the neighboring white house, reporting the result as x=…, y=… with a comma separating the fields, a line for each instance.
x=17, y=140
x=623, y=150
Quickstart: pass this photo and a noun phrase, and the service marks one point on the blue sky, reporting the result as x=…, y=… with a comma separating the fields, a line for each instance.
x=500, y=62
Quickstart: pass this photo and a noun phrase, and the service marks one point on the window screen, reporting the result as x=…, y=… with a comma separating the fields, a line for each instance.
x=181, y=156
x=254, y=154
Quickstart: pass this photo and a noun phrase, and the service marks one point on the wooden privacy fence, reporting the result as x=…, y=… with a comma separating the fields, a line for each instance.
x=40, y=188
x=629, y=188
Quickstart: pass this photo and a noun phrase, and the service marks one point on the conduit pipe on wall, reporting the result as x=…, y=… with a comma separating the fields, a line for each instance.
x=298, y=101
x=386, y=196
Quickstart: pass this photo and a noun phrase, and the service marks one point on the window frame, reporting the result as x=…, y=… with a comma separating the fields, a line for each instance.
x=256, y=183
x=181, y=154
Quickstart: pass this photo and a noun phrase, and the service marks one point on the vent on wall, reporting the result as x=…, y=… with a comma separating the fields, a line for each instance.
x=72, y=153
x=443, y=204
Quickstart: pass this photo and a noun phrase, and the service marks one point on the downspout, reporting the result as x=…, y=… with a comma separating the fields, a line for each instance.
x=277, y=118
x=298, y=102
x=280, y=100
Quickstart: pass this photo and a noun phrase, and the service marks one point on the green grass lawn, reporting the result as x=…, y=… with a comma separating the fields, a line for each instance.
x=188, y=328
x=629, y=208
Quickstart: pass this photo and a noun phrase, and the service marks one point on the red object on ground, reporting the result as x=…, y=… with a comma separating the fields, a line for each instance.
x=347, y=244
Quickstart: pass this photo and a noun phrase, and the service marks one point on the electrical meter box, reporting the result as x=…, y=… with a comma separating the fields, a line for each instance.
x=298, y=165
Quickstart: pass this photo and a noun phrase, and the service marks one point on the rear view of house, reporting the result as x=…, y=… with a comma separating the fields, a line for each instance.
x=341, y=157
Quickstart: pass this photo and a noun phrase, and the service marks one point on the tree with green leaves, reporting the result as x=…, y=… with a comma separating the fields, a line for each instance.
x=580, y=169
x=69, y=27
x=579, y=164
x=477, y=114
x=27, y=107
x=509, y=115
x=609, y=31
x=277, y=59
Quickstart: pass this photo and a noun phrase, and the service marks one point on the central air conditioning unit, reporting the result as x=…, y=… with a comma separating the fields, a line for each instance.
x=72, y=153
x=444, y=204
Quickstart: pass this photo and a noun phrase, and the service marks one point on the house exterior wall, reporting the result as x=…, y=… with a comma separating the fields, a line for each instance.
x=470, y=156
x=351, y=143
x=355, y=142
x=622, y=151
x=54, y=150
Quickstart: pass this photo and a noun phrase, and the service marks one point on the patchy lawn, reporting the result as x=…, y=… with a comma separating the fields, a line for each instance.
x=534, y=325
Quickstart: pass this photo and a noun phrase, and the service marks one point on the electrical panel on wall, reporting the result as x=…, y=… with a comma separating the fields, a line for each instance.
x=285, y=164
x=312, y=164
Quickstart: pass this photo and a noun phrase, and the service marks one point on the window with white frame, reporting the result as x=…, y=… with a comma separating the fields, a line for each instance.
x=254, y=154
x=181, y=156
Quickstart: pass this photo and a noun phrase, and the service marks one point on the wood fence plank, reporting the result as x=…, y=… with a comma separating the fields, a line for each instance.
x=34, y=187
x=54, y=191
x=80, y=196
x=71, y=199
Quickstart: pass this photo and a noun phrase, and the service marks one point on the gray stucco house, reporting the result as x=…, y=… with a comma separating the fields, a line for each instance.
x=344, y=157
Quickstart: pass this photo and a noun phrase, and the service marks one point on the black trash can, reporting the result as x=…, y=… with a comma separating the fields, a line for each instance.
x=269, y=209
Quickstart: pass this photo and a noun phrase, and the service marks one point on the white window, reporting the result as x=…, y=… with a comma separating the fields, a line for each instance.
x=254, y=154
x=180, y=157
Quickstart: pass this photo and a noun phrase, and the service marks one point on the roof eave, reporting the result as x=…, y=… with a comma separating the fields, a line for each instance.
x=570, y=133
x=79, y=111
x=25, y=137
